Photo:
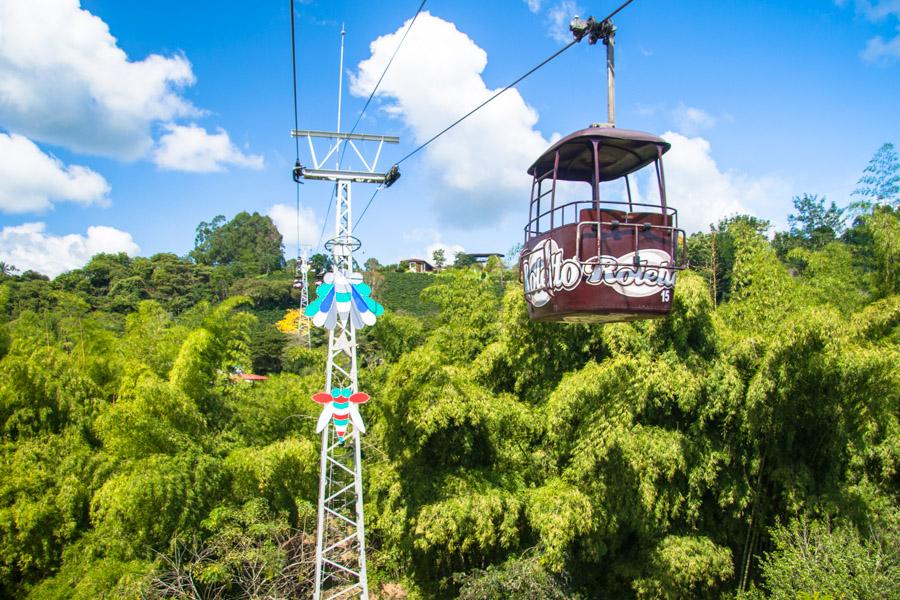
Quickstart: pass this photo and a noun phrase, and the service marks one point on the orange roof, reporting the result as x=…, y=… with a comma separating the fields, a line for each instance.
x=250, y=377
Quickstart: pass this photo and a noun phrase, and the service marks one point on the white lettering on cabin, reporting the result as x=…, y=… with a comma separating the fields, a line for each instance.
x=546, y=272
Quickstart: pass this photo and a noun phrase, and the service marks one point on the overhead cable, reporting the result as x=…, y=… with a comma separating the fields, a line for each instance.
x=380, y=79
x=296, y=117
x=375, y=193
x=294, y=65
x=325, y=220
x=486, y=102
x=511, y=85
x=388, y=66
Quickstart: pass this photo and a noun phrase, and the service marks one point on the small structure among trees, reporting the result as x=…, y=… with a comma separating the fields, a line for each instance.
x=483, y=257
x=419, y=265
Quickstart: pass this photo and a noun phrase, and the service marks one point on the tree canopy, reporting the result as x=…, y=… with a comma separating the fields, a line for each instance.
x=747, y=446
x=251, y=242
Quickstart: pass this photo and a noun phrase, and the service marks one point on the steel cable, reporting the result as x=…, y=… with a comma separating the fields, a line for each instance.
x=494, y=96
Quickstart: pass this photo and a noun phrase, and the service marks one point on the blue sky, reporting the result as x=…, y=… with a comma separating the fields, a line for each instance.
x=128, y=142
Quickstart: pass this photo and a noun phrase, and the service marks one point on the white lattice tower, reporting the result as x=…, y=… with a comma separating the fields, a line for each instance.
x=340, y=540
x=304, y=325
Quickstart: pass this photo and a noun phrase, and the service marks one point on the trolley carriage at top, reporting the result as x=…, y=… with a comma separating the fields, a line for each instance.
x=592, y=258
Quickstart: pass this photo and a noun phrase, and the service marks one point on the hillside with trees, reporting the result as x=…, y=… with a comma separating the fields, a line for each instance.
x=746, y=447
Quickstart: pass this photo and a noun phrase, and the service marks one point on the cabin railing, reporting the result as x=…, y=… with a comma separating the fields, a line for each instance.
x=633, y=224
x=569, y=214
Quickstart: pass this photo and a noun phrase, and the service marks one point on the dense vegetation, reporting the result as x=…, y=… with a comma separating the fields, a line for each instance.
x=746, y=446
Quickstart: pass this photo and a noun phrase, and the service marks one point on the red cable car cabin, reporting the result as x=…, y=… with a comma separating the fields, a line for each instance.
x=595, y=260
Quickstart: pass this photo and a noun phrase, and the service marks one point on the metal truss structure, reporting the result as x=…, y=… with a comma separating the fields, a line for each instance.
x=340, y=541
x=301, y=282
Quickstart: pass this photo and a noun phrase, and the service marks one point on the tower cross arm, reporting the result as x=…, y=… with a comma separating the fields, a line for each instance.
x=345, y=175
x=367, y=175
x=336, y=135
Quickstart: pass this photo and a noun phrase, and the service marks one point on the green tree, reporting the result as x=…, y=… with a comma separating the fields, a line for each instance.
x=7, y=270
x=173, y=282
x=685, y=567
x=394, y=335
x=880, y=182
x=524, y=578
x=211, y=352
x=504, y=457
x=884, y=226
x=813, y=226
x=463, y=260
x=712, y=254
x=265, y=293
x=438, y=258
x=320, y=264
x=493, y=264
x=204, y=239
x=823, y=559
x=251, y=243
x=266, y=347
x=104, y=269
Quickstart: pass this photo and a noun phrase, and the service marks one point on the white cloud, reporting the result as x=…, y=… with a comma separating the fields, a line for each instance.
x=479, y=166
x=878, y=50
x=193, y=149
x=64, y=80
x=432, y=240
x=28, y=246
x=692, y=121
x=558, y=18
x=878, y=9
x=285, y=219
x=533, y=5
x=31, y=181
x=703, y=194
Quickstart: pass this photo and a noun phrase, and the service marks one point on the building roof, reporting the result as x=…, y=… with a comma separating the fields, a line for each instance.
x=249, y=377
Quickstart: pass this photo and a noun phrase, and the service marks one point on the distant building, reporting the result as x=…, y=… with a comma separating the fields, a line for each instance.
x=419, y=265
x=483, y=257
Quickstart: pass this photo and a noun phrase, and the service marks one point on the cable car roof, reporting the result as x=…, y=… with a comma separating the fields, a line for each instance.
x=622, y=152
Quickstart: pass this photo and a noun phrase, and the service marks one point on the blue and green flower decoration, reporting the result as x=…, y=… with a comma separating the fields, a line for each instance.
x=341, y=297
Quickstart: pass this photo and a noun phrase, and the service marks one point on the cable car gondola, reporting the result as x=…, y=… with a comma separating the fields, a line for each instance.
x=593, y=259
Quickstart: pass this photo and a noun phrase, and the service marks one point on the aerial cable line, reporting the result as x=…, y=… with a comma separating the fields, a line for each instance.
x=470, y=113
x=296, y=118
x=375, y=193
x=511, y=85
x=294, y=65
x=383, y=73
x=483, y=104
x=388, y=65
x=325, y=220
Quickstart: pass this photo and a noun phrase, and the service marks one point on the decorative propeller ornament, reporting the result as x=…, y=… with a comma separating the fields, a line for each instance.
x=342, y=298
x=341, y=406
